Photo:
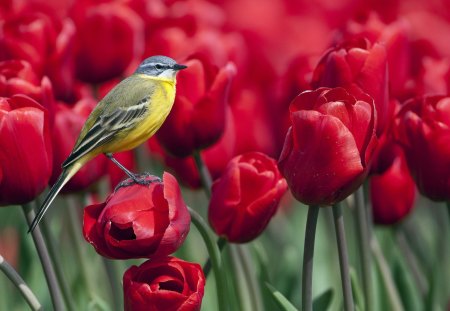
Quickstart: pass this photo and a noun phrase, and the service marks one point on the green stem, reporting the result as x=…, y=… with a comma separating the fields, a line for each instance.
x=57, y=265
x=214, y=254
x=343, y=257
x=308, y=256
x=391, y=290
x=16, y=279
x=75, y=233
x=363, y=236
x=116, y=288
x=49, y=272
x=205, y=176
x=250, y=277
x=221, y=242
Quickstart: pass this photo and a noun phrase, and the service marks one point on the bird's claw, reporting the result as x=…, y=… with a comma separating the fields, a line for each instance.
x=140, y=179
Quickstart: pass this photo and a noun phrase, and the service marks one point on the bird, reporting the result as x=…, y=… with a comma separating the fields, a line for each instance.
x=125, y=118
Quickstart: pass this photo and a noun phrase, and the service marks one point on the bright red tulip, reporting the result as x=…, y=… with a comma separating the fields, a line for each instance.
x=329, y=146
x=168, y=284
x=423, y=130
x=392, y=189
x=198, y=117
x=245, y=197
x=139, y=221
x=68, y=124
x=25, y=150
x=358, y=66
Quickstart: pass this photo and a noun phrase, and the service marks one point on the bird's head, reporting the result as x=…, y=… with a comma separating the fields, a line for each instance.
x=160, y=66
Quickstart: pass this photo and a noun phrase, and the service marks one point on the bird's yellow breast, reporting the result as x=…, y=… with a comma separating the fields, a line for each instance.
x=160, y=103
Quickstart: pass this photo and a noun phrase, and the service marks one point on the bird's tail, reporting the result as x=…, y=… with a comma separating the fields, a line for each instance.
x=65, y=176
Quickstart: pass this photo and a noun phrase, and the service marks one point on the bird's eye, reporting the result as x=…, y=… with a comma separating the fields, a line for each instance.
x=158, y=66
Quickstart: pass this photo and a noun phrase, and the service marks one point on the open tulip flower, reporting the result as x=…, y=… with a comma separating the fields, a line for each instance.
x=139, y=222
x=328, y=148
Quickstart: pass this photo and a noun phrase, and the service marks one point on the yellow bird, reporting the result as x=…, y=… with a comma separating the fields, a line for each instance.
x=125, y=118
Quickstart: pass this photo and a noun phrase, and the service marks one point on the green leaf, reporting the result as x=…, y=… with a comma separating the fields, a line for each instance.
x=323, y=301
x=280, y=300
x=406, y=289
x=98, y=304
x=356, y=290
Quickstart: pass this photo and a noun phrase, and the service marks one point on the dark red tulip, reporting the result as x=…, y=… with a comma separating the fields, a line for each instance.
x=109, y=40
x=25, y=150
x=166, y=284
x=329, y=146
x=68, y=124
x=423, y=130
x=245, y=197
x=139, y=221
x=358, y=66
x=392, y=189
x=198, y=117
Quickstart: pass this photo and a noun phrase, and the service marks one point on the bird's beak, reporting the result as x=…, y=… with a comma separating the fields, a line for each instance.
x=179, y=67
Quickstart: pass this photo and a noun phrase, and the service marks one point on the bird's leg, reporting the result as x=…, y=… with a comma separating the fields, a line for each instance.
x=141, y=179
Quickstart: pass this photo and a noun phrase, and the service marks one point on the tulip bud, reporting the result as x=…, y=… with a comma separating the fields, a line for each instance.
x=246, y=197
x=423, y=130
x=329, y=146
x=25, y=150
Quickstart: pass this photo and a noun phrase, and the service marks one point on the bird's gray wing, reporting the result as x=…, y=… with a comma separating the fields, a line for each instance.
x=106, y=127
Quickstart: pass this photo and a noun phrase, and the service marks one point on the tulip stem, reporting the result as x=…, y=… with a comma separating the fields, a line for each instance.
x=57, y=265
x=343, y=257
x=308, y=256
x=221, y=242
x=17, y=280
x=49, y=272
x=363, y=237
x=203, y=171
x=214, y=254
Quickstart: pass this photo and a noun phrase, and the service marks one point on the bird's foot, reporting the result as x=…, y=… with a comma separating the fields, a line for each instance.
x=143, y=179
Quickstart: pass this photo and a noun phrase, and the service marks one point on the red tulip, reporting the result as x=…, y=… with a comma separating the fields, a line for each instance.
x=41, y=38
x=25, y=150
x=166, y=284
x=423, y=130
x=392, y=189
x=357, y=66
x=17, y=77
x=197, y=119
x=109, y=40
x=329, y=146
x=68, y=125
x=139, y=221
x=245, y=197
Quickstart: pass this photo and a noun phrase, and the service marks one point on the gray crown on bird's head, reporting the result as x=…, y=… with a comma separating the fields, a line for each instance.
x=157, y=65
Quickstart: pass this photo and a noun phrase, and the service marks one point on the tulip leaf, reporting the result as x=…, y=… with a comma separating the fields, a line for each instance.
x=98, y=304
x=280, y=300
x=407, y=291
x=323, y=301
x=358, y=296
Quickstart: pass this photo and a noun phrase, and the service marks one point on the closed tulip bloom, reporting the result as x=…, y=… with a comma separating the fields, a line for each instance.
x=358, y=66
x=392, y=189
x=25, y=150
x=329, y=145
x=245, y=197
x=423, y=130
x=67, y=127
x=166, y=284
x=139, y=221
x=198, y=117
